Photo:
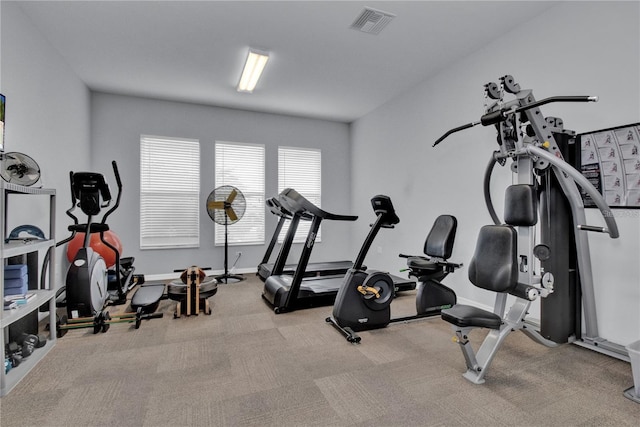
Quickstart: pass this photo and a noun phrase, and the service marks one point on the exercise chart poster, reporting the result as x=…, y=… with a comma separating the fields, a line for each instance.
x=610, y=160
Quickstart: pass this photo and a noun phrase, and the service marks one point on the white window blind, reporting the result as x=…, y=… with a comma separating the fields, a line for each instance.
x=242, y=166
x=169, y=192
x=300, y=169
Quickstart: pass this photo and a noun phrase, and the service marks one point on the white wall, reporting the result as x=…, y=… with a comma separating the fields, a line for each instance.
x=117, y=123
x=576, y=48
x=47, y=118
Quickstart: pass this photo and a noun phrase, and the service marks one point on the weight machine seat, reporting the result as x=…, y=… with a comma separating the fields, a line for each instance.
x=465, y=316
x=494, y=267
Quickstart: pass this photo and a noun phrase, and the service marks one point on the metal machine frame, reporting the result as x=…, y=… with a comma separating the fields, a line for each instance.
x=531, y=141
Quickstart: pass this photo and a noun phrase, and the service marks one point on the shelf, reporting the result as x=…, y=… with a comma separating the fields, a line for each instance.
x=19, y=247
x=43, y=296
x=19, y=319
x=21, y=189
x=16, y=374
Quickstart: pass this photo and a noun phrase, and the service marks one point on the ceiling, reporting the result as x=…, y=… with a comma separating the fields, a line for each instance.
x=193, y=51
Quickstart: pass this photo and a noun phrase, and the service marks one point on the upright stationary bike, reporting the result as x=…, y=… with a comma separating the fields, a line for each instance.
x=364, y=300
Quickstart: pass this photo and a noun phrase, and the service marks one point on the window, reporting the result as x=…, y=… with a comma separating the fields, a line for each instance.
x=169, y=192
x=300, y=169
x=242, y=166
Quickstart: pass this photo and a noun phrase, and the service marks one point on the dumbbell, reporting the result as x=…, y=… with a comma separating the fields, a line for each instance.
x=13, y=354
x=38, y=341
x=28, y=343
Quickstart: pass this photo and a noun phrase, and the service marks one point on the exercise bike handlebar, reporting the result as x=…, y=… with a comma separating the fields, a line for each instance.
x=500, y=115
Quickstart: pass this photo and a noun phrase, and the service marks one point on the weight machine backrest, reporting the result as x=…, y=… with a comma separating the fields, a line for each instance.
x=494, y=265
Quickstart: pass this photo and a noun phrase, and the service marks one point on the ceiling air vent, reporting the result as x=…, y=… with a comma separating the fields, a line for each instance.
x=372, y=21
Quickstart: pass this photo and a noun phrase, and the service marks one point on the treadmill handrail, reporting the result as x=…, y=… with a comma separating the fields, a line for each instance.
x=276, y=208
x=298, y=204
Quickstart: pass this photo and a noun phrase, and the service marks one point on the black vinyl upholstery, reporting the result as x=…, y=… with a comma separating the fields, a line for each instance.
x=494, y=265
x=466, y=316
x=440, y=239
x=439, y=245
x=520, y=205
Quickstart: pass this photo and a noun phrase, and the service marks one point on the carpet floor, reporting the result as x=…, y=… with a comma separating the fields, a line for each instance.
x=245, y=366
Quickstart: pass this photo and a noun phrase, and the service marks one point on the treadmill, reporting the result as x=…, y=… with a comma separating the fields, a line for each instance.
x=288, y=293
x=265, y=268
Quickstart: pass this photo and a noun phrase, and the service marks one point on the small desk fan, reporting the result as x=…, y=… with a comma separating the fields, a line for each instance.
x=18, y=168
x=226, y=205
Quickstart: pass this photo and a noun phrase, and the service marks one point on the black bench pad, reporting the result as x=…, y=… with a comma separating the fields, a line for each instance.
x=466, y=316
x=147, y=297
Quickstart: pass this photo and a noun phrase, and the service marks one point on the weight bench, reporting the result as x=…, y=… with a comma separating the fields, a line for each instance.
x=495, y=267
x=147, y=297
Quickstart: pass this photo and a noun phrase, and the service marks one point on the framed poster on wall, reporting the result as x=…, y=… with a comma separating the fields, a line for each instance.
x=610, y=160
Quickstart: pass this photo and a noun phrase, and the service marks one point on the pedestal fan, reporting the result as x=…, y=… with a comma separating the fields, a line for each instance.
x=226, y=205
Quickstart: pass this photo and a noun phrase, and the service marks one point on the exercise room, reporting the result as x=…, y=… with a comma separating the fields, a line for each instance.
x=305, y=213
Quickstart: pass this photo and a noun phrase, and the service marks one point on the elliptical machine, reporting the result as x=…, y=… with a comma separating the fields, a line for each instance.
x=364, y=300
x=89, y=284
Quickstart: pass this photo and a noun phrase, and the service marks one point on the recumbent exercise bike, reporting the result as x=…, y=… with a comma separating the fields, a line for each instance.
x=364, y=300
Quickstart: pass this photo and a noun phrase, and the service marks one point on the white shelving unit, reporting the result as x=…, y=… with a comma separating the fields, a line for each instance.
x=45, y=293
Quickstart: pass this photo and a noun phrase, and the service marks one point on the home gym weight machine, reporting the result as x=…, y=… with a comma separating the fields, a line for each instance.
x=504, y=259
x=364, y=300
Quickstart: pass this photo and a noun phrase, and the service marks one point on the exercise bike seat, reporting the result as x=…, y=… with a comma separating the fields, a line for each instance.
x=467, y=316
x=423, y=265
x=147, y=297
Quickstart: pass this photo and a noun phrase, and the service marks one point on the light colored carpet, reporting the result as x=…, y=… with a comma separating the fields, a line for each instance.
x=246, y=366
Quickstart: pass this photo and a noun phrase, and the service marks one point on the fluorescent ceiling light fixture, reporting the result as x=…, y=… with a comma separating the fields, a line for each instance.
x=253, y=67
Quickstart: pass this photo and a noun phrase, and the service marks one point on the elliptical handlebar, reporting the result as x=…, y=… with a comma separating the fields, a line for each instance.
x=73, y=200
x=117, y=174
x=119, y=184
